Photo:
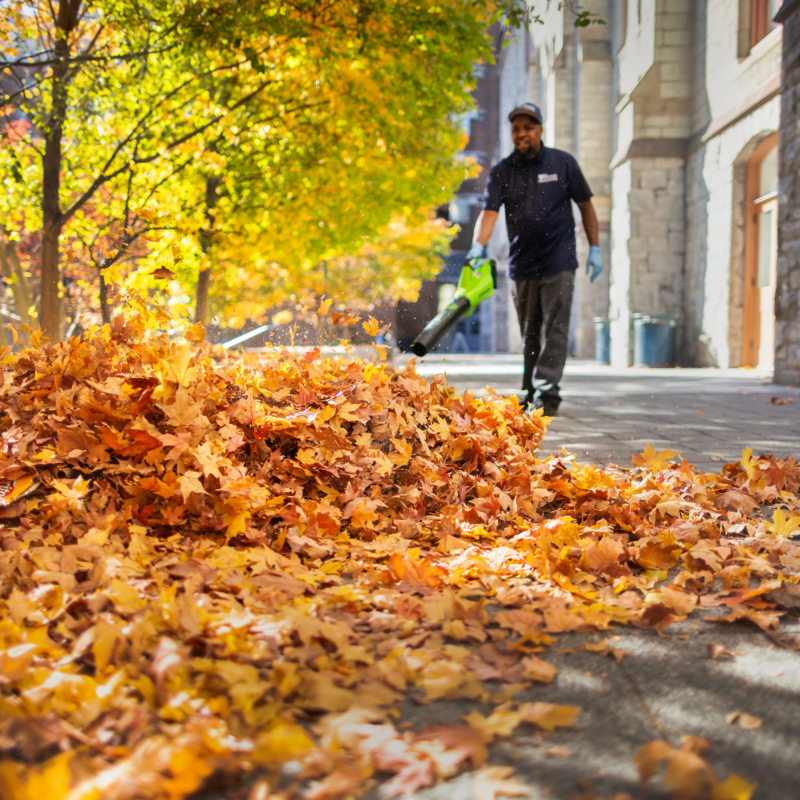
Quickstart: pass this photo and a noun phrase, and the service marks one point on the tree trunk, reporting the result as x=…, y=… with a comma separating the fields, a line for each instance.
x=53, y=130
x=15, y=277
x=105, y=309
x=201, y=296
x=206, y=242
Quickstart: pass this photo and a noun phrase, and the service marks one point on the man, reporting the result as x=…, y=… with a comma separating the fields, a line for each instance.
x=536, y=184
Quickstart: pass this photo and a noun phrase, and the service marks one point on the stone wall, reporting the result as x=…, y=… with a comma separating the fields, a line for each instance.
x=787, y=297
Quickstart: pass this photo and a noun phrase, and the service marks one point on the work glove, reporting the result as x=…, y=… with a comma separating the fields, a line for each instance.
x=476, y=251
x=594, y=263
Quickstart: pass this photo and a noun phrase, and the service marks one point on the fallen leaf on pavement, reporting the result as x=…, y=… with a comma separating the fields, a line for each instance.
x=491, y=782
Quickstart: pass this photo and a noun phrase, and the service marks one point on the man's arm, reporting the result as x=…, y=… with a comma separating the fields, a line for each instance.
x=484, y=227
x=590, y=223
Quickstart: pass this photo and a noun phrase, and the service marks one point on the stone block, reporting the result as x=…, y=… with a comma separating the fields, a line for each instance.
x=653, y=179
x=785, y=376
x=673, y=22
x=676, y=6
x=641, y=200
x=670, y=205
x=651, y=225
x=676, y=243
x=638, y=247
x=665, y=53
x=680, y=38
x=675, y=89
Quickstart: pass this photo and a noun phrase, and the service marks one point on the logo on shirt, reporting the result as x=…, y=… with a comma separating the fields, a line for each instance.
x=545, y=178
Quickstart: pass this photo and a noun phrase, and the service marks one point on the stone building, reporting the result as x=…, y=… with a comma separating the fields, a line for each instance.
x=672, y=108
x=787, y=299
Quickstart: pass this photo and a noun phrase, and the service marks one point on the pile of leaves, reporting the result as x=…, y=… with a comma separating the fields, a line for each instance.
x=216, y=570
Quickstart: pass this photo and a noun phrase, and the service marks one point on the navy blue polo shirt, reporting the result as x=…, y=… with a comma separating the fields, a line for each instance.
x=536, y=193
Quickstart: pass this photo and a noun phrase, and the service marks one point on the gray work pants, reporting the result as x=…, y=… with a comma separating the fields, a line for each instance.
x=543, y=308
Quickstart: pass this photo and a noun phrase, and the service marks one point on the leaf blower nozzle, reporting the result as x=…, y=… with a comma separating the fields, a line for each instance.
x=477, y=282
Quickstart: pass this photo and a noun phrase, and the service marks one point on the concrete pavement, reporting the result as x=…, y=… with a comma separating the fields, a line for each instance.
x=607, y=415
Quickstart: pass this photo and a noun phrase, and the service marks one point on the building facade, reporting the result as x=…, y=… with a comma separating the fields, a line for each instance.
x=672, y=108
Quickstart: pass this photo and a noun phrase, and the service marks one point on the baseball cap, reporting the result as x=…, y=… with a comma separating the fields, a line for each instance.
x=531, y=109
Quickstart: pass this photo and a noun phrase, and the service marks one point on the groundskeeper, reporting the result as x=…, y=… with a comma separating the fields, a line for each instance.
x=536, y=184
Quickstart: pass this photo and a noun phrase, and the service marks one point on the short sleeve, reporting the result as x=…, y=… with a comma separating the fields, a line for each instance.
x=494, y=197
x=577, y=185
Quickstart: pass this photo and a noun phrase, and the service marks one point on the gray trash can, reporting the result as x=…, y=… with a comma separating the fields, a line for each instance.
x=654, y=340
x=602, y=340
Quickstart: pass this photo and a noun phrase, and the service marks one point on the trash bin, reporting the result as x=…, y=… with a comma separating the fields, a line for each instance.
x=602, y=340
x=654, y=340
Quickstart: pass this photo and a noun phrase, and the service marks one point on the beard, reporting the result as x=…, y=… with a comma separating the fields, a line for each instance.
x=527, y=150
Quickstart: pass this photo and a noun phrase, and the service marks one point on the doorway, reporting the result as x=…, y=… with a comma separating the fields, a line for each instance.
x=761, y=253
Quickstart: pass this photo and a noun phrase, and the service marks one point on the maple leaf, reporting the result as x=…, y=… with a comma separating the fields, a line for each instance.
x=749, y=463
x=191, y=483
x=538, y=670
x=549, y=716
x=195, y=333
x=650, y=458
x=686, y=772
x=782, y=525
x=163, y=274
x=372, y=327
x=449, y=746
x=183, y=410
x=734, y=787
x=491, y=782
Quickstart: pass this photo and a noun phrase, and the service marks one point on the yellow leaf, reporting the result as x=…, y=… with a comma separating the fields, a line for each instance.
x=281, y=742
x=112, y=274
x=382, y=352
x=371, y=327
x=307, y=456
x=105, y=639
x=749, y=463
x=282, y=317
x=735, y=788
x=549, y=716
x=649, y=458
x=125, y=598
x=195, y=333
x=782, y=525
x=237, y=524
x=48, y=781
x=324, y=306
x=501, y=722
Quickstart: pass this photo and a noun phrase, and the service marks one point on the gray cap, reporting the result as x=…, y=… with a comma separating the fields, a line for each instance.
x=530, y=109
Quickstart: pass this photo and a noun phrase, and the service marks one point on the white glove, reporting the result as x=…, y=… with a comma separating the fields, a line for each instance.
x=476, y=251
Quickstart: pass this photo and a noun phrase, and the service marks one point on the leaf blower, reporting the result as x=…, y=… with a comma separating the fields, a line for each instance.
x=477, y=282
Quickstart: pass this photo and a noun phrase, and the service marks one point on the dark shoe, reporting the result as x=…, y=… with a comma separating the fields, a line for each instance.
x=550, y=410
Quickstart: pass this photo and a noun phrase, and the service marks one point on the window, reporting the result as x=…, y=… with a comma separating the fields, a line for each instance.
x=762, y=14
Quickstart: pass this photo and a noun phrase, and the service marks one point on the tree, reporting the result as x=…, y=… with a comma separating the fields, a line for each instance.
x=132, y=101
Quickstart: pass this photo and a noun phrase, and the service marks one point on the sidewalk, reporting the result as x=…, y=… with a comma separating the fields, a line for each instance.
x=667, y=686
x=707, y=415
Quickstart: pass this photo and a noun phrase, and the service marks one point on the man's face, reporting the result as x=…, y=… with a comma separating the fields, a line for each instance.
x=526, y=134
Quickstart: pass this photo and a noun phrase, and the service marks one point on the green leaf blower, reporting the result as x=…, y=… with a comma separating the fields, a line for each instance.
x=477, y=282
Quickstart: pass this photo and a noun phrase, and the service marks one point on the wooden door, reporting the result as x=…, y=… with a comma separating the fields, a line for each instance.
x=761, y=249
